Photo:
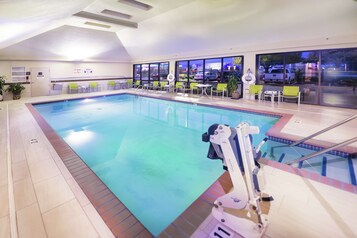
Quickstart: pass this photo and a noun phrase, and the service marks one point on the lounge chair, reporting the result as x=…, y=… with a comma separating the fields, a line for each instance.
x=220, y=88
x=291, y=92
x=255, y=90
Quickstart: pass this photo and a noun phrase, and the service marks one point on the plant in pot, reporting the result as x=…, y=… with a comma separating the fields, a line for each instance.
x=2, y=81
x=16, y=90
x=233, y=86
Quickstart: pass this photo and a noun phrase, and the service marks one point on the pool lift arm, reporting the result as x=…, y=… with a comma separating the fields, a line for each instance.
x=233, y=146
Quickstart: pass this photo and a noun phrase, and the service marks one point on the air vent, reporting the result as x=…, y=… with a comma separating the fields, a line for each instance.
x=116, y=14
x=136, y=4
x=96, y=17
x=97, y=24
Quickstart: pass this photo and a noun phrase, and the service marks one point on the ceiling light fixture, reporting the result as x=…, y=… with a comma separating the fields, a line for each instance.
x=96, y=24
x=105, y=19
x=116, y=14
x=136, y=4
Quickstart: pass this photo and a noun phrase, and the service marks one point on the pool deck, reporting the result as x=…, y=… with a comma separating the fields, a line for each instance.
x=40, y=197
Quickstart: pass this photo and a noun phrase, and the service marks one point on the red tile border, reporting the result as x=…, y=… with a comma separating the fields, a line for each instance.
x=118, y=218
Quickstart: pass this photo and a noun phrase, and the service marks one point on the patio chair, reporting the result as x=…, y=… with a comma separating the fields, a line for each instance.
x=220, y=88
x=73, y=87
x=179, y=86
x=291, y=92
x=163, y=85
x=255, y=90
x=93, y=87
x=129, y=83
x=137, y=84
x=111, y=85
x=193, y=86
x=155, y=85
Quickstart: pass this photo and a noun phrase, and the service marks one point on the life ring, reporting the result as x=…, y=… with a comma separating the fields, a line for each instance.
x=248, y=78
x=170, y=78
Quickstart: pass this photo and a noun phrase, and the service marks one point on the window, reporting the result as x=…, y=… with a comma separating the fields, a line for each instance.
x=331, y=82
x=145, y=72
x=339, y=78
x=210, y=71
x=182, y=71
x=164, y=71
x=196, y=71
x=18, y=74
x=232, y=65
x=154, y=72
x=151, y=71
x=213, y=68
x=267, y=63
x=137, y=72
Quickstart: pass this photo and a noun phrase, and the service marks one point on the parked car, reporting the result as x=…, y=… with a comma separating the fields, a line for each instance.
x=277, y=76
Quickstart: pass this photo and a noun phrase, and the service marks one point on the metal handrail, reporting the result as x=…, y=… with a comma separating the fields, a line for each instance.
x=322, y=151
x=313, y=135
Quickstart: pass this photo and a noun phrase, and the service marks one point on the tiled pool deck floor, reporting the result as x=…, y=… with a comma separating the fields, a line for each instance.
x=46, y=201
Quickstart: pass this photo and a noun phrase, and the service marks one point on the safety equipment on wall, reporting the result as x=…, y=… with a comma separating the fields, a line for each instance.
x=170, y=78
x=248, y=78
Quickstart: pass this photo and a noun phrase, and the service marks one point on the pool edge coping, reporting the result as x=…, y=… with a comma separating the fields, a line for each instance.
x=273, y=131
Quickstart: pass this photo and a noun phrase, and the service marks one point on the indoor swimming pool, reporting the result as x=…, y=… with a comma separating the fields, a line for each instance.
x=147, y=151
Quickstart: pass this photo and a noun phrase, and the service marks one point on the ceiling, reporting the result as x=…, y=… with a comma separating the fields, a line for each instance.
x=87, y=29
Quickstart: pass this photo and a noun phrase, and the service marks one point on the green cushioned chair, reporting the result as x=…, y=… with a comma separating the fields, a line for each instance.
x=255, y=90
x=73, y=87
x=111, y=85
x=291, y=92
x=221, y=88
x=93, y=86
x=179, y=86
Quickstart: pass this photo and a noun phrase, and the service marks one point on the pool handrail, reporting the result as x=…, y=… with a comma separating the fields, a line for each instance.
x=315, y=134
x=322, y=151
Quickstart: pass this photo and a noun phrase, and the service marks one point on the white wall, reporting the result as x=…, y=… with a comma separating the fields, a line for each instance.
x=67, y=70
x=70, y=69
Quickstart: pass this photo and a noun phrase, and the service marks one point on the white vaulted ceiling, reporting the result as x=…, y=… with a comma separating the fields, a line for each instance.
x=48, y=30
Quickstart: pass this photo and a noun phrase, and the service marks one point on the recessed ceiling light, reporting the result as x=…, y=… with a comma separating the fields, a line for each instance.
x=116, y=14
x=96, y=17
x=136, y=4
x=96, y=24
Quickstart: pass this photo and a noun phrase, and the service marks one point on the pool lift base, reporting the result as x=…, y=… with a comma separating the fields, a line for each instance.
x=233, y=146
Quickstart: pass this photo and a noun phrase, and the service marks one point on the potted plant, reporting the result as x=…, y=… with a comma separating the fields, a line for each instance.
x=16, y=90
x=233, y=86
x=2, y=81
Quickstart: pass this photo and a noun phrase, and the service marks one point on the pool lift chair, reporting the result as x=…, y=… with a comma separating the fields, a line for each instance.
x=233, y=146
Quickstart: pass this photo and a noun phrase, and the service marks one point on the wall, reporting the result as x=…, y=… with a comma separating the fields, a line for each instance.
x=68, y=70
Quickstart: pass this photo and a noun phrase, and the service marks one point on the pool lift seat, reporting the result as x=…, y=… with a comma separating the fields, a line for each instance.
x=233, y=146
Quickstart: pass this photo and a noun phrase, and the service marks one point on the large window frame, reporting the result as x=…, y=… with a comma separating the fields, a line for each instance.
x=321, y=76
x=208, y=75
x=161, y=69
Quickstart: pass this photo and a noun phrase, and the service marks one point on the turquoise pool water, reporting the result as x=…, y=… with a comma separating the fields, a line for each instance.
x=147, y=151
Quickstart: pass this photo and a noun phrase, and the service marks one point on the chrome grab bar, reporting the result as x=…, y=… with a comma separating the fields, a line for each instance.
x=313, y=135
x=322, y=151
